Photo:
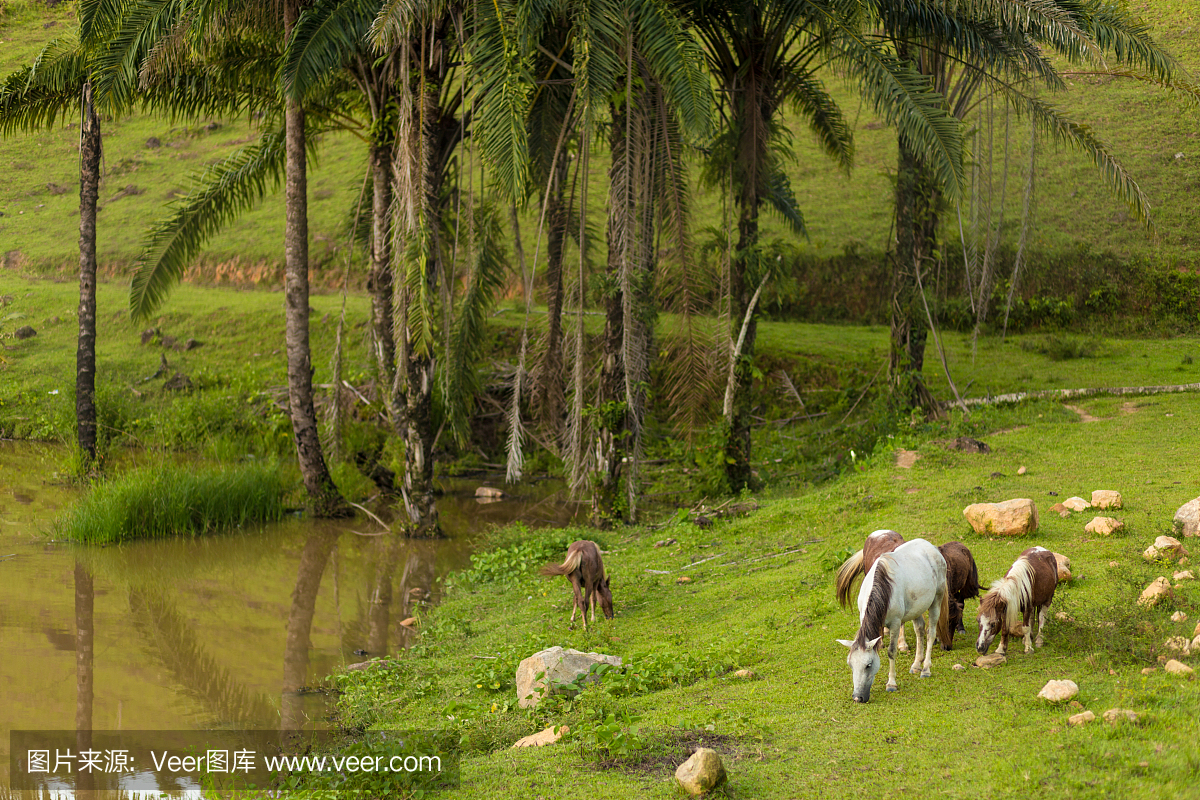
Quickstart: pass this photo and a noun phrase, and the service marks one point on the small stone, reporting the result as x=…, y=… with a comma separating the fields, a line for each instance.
x=1179, y=616
x=192, y=344
x=744, y=673
x=1063, y=616
x=664, y=542
x=1060, y=509
x=148, y=335
x=178, y=383
x=153, y=143
x=411, y=622
x=1184, y=575
x=1075, y=704
x=1082, y=718
x=958, y=668
x=1058, y=691
x=1104, y=526
x=701, y=772
x=990, y=660
x=1178, y=644
x=1009, y=518
x=1114, y=563
x=1021, y=470
x=683, y=579
x=489, y=491
x=1064, y=567
x=1149, y=670
x=1106, y=498
x=1115, y=714
x=25, y=332
x=1155, y=592
x=1076, y=503
x=543, y=738
x=1178, y=668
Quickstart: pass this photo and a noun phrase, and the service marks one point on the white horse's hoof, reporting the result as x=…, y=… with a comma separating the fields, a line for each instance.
x=903, y=648
x=893, y=688
x=914, y=669
x=926, y=673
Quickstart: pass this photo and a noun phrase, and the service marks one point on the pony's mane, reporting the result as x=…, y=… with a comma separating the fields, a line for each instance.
x=1014, y=590
x=871, y=625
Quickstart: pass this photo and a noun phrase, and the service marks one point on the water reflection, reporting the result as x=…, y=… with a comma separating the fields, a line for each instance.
x=313, y=559
x=85, y=637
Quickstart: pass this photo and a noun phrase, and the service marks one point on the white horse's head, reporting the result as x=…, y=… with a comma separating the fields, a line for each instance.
x=864, y=663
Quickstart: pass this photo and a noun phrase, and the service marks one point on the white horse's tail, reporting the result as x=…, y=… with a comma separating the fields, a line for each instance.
x=847, y=572
x=567, y=567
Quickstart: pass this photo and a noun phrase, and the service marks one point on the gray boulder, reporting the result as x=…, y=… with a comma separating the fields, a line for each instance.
x=561, y=666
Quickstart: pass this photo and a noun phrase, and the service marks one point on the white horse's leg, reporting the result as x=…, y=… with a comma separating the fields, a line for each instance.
x=1029, y=631
x=891, y=684
x=901, y=645
x=919, y=631
x=1041, y=624
x=1003, y=648
x=935, y=614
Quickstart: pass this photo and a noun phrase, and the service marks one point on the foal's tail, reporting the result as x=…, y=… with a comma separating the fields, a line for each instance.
x=943, y=627
x=565, y=568
x=847, y=572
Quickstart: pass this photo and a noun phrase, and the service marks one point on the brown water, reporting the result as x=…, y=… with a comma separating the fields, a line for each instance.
x=232, y=631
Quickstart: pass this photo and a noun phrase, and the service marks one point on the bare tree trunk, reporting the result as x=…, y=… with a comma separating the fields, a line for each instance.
x=85, y=354
x=418, y=447
x=323, y=494
x=550, y=400
x=379, y=281
x=737, y=446
x=916, y=228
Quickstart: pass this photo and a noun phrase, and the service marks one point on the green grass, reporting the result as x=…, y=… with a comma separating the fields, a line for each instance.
x=763, y=599
x=170, y=500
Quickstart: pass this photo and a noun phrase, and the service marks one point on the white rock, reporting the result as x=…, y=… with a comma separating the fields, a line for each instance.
x=1064, y=567
x=1155, y=592
x=990, y=660
x=1149, y=670
x=1059, y=691
x=1169, y=547
x=1104, y=526
x=1076, y=503
x=1184, y=575
x=1082, y=718
x=1106, y=498
x=1114, y=714
x=701, y=772
x=744, y=673
x=1009, y=518
x=489, y=491
x=1187, y=519
x=1179, y=616
x=1196, y=645
x=1021, y=470
x=543, y=738
x=1114, y=563
x=560, y=665
x=1178, y=668
x=1196, y=632
x=958, y=668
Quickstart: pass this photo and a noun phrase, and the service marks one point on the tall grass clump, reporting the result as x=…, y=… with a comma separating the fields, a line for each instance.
x=173, y=500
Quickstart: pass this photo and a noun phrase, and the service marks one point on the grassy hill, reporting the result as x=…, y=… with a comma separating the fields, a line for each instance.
x=147, y=160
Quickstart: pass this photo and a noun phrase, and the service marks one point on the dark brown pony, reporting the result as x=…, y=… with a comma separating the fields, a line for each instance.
x=585, y=570
x=1009, y=606
x=860, y=563
x=962, y=578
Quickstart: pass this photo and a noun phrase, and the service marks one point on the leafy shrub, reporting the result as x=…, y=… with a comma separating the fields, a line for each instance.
x=1061, y=348
x=508, y=566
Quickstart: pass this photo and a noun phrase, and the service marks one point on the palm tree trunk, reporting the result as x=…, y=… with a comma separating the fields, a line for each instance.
x=418, y=446
x=737, y=446
x=325, y=498
x=609, y=417
x=551, y=397
x=313, y=559
x=85, y=354
x=379, y=281
x=916, y=229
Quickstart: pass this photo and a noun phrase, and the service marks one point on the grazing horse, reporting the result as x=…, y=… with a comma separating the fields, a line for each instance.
x=877, y=544
x=962, y=578
x=901, y=586
x=585, y=570
x=1009, y=606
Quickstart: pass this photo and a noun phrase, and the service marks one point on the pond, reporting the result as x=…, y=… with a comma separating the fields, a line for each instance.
x=232, y=631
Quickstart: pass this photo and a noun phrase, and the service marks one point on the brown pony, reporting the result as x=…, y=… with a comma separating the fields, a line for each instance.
x=1009, y=606
x=877, y=543
x=585, y=570
x=962, y=578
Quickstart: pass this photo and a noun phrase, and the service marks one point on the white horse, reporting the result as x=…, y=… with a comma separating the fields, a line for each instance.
x=901, y=586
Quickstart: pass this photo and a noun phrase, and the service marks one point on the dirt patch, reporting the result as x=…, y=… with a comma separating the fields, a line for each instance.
x=665, y=754
x=906, y=458
x=1083, y=415
x=1129, y=408
x=965, y=444
x=1010, y=430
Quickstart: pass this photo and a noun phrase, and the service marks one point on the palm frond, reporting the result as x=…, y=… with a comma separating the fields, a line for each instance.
x=325, y=37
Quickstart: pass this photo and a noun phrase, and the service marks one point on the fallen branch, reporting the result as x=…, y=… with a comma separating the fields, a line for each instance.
x=372, y=516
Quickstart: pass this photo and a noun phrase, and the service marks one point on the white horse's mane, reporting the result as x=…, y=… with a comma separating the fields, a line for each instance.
x=1014, y=589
